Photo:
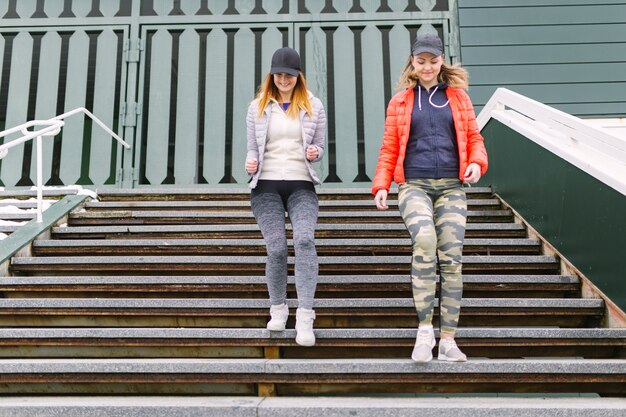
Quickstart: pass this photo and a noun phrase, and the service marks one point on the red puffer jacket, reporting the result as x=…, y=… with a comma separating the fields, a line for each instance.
x=398, y=126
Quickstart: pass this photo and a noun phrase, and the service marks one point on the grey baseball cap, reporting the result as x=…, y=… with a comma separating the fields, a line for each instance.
x=285, y=61
x=427, y=42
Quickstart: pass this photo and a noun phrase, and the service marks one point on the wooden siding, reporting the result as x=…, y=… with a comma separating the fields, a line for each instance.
x=569, y=54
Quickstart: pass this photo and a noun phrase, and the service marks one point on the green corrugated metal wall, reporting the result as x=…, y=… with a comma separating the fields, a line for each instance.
x=569, y=54
x=174, y=78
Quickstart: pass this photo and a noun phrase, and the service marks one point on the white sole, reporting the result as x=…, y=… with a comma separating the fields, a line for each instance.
x=441, y=357
x=418, y=361
x=277, y=328
x=307, y=343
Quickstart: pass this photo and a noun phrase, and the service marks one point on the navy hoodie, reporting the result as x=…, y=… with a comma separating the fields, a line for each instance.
x=432, y=150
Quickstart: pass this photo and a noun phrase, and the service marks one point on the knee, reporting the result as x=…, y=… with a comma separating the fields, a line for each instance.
x=304, y=242
x=425, y=245
x=277, y=251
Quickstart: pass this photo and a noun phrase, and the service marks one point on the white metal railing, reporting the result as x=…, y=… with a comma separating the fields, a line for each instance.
x=51, y=127
x=594, y=150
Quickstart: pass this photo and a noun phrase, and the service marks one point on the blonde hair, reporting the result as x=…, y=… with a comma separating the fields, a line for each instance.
x=453, y=75
x=299, y=97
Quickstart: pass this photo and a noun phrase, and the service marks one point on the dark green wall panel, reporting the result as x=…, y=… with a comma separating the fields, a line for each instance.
x=581, y=216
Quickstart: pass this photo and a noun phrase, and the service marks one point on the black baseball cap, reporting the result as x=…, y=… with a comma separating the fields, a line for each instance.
x=427, y=42
x=285, y=61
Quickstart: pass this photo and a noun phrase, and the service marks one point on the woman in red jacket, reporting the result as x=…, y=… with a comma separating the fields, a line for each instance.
x=431, y=146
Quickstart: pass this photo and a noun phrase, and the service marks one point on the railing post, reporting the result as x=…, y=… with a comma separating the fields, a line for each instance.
x=39, y=180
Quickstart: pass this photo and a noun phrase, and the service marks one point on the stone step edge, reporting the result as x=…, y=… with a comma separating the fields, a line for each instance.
x=246, y=191
x=253, y=227
x=234, y=260
x=201, y=406
x=141, y=204
x=260, y=280
x=321, y=333
x=311, y=366
x=261, y=242
x=140, y=214
x=256, y=303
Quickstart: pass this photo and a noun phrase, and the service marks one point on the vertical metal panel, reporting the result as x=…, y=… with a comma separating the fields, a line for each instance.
x=373, y=90
x=82, y=8
x=159, y=105
x=345, y=134
x=110, y=8
x=75, y=92
x=104, y=98
x=243, y=93
x=312, y=44
x=186, y=113
x=19, y=86
x=215, y=93
x=25, y=8
x=47, y=89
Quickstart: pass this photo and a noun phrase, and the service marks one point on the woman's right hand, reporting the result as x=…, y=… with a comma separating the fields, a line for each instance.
x=251, y=166
x=381, y=200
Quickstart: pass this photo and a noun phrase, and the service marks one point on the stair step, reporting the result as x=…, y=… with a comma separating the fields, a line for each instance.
x=346, y=247
x=238, y=231
x=330, y=343
x=245, y=406
x=349, y=286
x=246, y=217
x=242, y=265
x=331, y=312
x=18, y=216
x=325, y=205
x=312, y=376
x=220, y=194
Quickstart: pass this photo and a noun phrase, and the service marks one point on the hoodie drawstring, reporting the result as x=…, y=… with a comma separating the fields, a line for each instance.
x=430, y=98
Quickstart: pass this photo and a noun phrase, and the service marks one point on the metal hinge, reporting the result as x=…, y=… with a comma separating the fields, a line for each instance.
x=129, y=112
x=127, y=175
x=132, y=50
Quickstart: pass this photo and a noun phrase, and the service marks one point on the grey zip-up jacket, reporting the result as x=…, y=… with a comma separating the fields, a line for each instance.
x=313, y=133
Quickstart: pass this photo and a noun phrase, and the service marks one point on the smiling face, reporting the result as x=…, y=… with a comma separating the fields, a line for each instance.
x=427, y=67
x=285, y=84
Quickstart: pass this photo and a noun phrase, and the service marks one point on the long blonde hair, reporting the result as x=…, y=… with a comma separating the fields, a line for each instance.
x=453, y=75
x=299, y=97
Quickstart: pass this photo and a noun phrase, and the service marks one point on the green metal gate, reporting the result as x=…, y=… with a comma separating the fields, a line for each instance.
x=174, y=79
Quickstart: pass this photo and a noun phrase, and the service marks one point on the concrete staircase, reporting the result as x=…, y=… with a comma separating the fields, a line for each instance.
x=162, y=293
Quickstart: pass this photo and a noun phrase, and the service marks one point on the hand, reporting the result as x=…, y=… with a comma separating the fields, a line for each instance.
x=251, y=166
x=381, y=200
x=472, y=173
x=311, y=153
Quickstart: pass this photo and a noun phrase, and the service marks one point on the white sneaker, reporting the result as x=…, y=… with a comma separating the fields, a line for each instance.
x=279, y=314
x=424, y=344
x=304, y=327
x=450, y=352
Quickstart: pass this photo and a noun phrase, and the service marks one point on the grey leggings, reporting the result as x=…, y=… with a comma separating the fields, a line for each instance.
x=270, y=200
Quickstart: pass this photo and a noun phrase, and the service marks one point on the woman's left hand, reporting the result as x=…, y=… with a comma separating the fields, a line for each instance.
x=311, y=153
x=472, y=173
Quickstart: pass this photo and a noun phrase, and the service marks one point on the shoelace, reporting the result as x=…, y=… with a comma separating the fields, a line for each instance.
x=448, y=343
x=424, y=337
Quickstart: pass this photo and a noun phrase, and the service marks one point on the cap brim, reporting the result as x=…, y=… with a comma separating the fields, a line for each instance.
x=433, y=51
x=284, y=70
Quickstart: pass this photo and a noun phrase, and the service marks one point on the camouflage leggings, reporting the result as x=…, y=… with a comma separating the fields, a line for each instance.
x=435, y=213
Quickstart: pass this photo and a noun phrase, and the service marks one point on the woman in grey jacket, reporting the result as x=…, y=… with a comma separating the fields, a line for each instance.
x=286, y=131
